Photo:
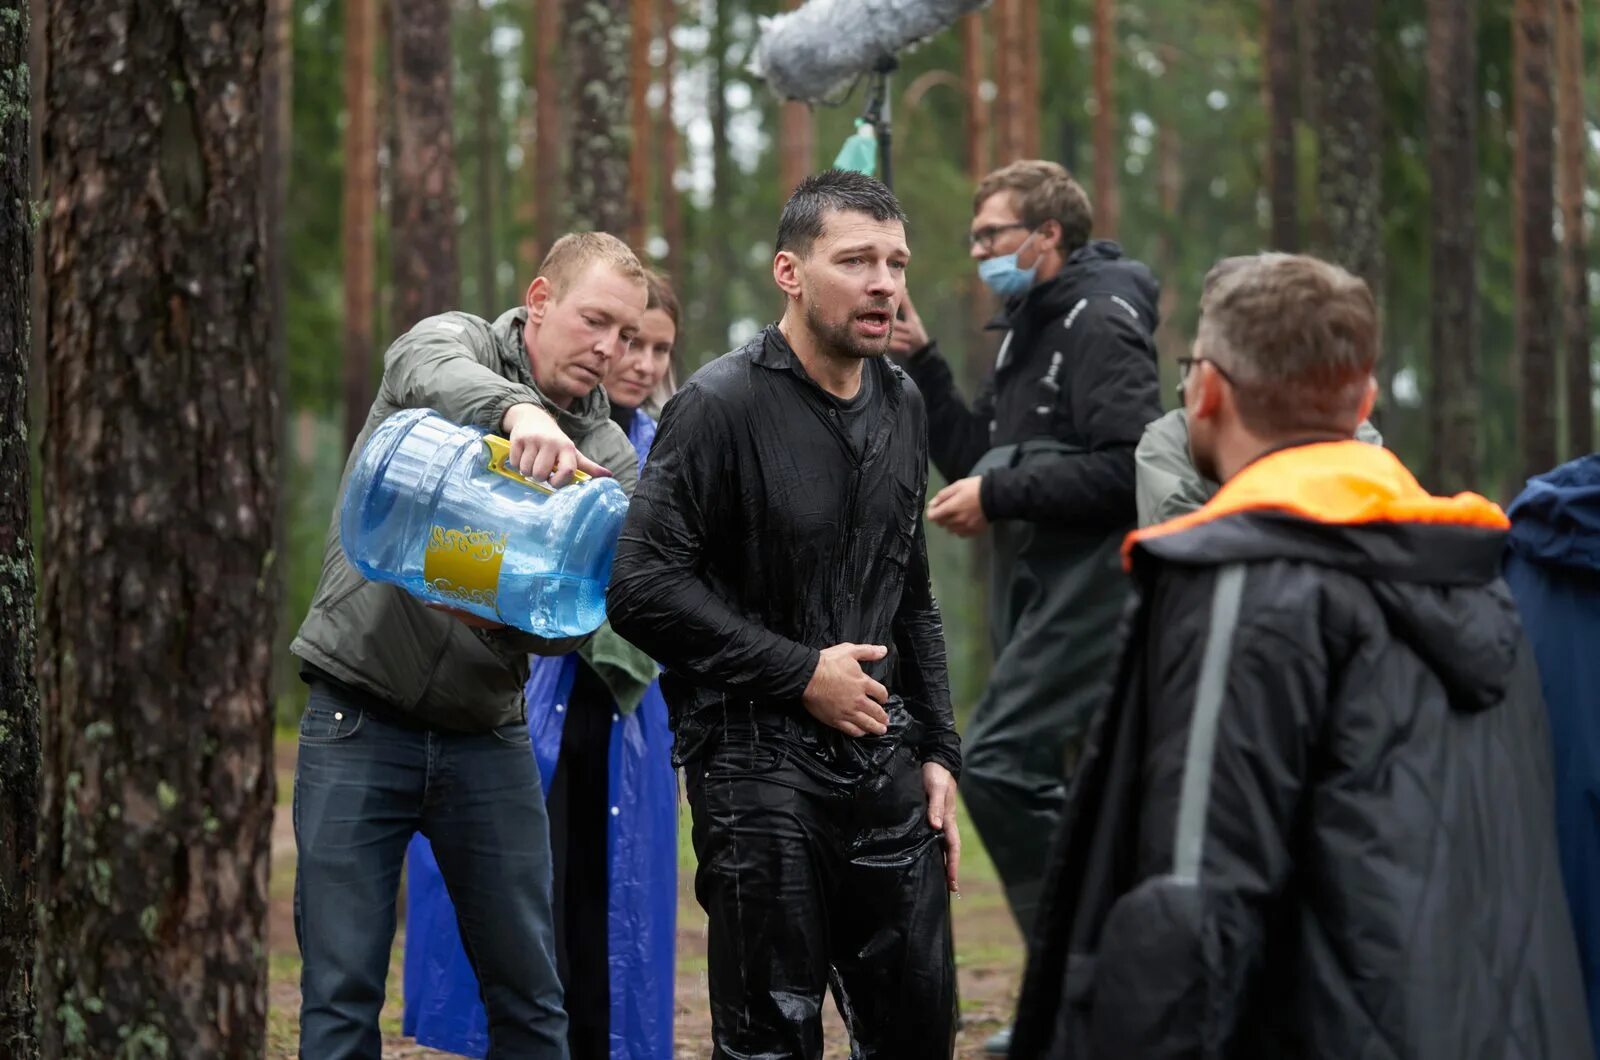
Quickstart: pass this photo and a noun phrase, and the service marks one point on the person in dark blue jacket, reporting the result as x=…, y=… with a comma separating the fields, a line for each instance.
x=1553, y=567
x=604, y=750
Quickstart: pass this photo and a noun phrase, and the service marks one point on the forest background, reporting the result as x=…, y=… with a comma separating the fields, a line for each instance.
x=218, y=213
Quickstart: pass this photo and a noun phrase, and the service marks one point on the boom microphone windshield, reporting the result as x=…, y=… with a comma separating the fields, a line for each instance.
x=813, y=52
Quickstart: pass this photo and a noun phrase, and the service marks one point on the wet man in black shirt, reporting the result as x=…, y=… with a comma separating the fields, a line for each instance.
x=774, y=561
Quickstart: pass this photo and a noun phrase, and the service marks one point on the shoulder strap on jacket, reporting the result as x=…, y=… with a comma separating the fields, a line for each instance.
x=1195, y=795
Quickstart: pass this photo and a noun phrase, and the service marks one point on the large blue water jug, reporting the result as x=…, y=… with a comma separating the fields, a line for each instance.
x=433, y=508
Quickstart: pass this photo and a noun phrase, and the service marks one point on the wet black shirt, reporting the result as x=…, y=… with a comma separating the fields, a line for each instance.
x=761, y=534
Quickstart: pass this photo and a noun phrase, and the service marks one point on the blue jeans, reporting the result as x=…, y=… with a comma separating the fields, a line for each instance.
x=361, y=789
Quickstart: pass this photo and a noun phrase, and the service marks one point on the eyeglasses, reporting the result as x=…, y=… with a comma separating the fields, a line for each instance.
x=1186, y=365
x=985, y=237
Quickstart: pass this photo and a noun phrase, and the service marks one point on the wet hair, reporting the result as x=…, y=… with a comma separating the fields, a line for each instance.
x=1044, y=191
x=662, y=297
x=832, y=191
x=571, y=255
x=1298, y=336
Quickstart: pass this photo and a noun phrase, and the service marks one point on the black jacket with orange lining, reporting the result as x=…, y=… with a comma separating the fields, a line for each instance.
x=1367, y=864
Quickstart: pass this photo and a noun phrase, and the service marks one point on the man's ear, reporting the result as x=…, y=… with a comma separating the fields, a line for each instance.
x=538, y=299
x=786, y=272
x=1203, y=391
x=1049, y=235
x=1369, y=400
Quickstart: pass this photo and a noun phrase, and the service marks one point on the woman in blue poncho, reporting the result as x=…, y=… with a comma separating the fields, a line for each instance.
x=600, y=736
x=1553, y=567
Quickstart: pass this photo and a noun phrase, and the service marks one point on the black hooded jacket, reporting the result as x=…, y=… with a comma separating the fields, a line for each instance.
x=1079, y=368
x=1317, y=823
x=757, y=537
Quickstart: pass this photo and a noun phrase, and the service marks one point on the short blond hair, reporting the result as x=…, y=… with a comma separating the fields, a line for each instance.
x=572, y=255
x=1045, y=192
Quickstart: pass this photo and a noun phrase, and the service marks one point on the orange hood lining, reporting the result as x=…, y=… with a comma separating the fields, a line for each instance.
x=1345, y=483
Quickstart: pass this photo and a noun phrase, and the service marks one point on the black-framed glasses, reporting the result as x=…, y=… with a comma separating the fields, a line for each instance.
x=985, y=236
x=1186, y=365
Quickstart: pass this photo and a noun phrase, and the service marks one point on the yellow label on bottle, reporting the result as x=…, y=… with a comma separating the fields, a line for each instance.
x=464, y=564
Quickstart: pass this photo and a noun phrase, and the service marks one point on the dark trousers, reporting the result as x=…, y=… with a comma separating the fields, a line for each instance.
x=580, y=818
x=811, y=878
x=362, y=787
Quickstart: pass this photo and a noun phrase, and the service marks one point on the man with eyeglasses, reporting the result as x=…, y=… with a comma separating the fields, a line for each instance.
x=1044, y=458
x=1167, y=484
x=1314, y=818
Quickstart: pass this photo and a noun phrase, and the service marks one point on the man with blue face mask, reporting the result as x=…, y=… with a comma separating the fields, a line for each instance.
x=1044, y=458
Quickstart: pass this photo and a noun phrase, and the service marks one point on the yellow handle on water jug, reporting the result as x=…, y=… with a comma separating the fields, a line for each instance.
x=500, y=453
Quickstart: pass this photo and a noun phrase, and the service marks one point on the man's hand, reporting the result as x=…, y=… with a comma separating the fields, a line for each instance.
x=958, y=508
x=941, y=789
x=540, y=450
x=908, y=335
x=841, y=695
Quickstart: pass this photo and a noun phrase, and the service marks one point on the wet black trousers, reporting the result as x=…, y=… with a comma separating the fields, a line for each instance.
x=813, y=878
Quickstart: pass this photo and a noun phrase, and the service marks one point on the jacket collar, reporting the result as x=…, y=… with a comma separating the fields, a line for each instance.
x=587, y=413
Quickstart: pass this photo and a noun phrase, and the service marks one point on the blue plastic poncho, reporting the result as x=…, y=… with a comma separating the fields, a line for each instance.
x=1553, y=568
x=443, y=1009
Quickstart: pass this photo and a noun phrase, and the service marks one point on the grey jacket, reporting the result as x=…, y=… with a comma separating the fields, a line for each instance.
x=1166, y=485
x=377, y=638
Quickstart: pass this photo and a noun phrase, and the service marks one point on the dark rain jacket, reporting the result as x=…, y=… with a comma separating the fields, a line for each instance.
x=1052, y=437
x=1314, y=819
x=1553, y=567
x=757, y=537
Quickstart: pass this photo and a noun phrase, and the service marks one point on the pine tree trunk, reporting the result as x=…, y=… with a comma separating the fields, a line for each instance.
x=667, y=137
x=488, y=162
x=721, y=262
x=597, y=36
x=1029, y=63
x=1455, y=462
x=1533, y=184
x=1283, y=180
x=1574, y=260
x=639, y=145
x=547, y=86
x=797, y=144
x=277, y=116
x=360, y=209
x=1349, y=135
x=160, y=488
x=1008, y=75
x=1106, y=207
x=19, y=696
x=427, y=271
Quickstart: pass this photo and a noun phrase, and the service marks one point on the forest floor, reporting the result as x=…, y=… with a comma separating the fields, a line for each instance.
x=989, y=952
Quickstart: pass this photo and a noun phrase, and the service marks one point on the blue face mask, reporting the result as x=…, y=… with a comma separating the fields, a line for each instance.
x=1003, y=275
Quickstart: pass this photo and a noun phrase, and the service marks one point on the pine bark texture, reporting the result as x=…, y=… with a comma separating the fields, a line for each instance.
x=19, y=695
x=1533, y=186
x=489, y=160
x=1283, y=99
x=1456, y=458
x=547, y=117
x=1106, y=206
x=597, y=36
x=1349, y=135
x=639, y=145
x=360, y=206
x=667, y=137
x=1579, y=371
x=427, y=269
x=160, y=490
